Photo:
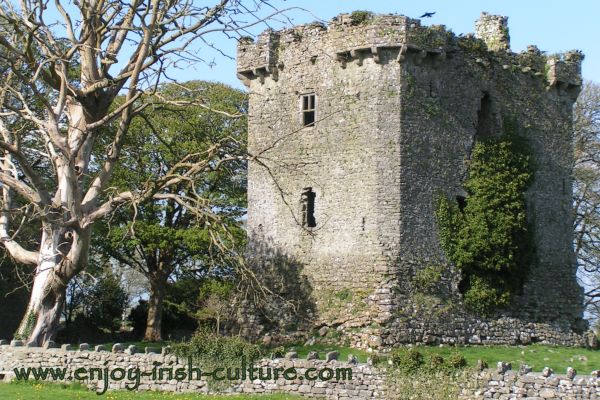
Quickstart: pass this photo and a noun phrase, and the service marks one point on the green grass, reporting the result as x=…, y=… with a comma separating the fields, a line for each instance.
x=536, y=356
x=47, y=391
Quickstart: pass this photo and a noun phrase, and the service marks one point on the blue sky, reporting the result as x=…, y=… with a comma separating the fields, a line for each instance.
x=552, y=25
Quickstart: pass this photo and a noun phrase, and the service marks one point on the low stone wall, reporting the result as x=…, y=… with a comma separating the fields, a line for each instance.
x=366, y=382
x=503, y=383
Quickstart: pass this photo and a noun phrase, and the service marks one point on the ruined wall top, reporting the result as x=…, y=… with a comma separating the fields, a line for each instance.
x=351, y=36
x=493, y=30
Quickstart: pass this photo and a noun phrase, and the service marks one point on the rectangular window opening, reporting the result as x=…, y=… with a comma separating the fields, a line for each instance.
x=308, y=208
x=308, y=109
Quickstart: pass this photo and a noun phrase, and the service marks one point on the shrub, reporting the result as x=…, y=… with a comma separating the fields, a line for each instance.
x=278, y=352
x=360, y=17
x=456, y=361
x=436, y=362
x=407, y=360
x=210, y=351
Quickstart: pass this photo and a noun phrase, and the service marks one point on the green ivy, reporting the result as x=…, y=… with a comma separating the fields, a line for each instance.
x=360, y=17
x=490, y=240
x=30, y=324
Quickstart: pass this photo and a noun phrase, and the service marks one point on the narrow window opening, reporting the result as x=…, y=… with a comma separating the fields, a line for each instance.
x=308, y=109
x=485, y=117
x=462, y=203
x=308, y=207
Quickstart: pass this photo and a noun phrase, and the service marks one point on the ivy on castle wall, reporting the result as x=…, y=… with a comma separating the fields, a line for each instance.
x=489, y=239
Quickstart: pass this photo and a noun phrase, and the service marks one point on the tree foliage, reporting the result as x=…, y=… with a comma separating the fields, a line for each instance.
x=490, y=240
x=171, y=237
x=586, y=191
x=69, y=71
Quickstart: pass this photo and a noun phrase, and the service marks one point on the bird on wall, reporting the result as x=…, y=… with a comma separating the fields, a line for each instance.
x=427, y=15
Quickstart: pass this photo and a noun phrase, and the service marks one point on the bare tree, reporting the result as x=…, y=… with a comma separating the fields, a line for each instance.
x=63, y=80
x=586, y=194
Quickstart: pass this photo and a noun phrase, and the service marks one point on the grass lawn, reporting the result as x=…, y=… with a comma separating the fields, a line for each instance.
x=536, y=356
x=39, y=391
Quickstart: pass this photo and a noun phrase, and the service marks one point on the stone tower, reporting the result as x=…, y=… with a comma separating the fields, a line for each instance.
x=355, y=127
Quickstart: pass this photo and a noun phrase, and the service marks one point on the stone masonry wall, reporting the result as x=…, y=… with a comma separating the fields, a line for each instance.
x=504, y=383
x=399, y=107
x=366, y=381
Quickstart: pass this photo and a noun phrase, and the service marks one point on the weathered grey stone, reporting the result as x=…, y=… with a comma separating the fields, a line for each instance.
x=50, y=344
x=150, y=350
x=100, y=347
x=591, y=340
x=352, y=359
x=571, y=373
x=336, y=182
x=502, y=367
x=117, y=348
x=3, y=342
x=332, y=356
x=547, y=393
x=16, y=343
x=291, y=355
x=524, y=338
x=66, y=347
x=546, y=372
x=131, y=349
x=84, y=347
x=312, y=355
x=524, y=369
x=165, y=350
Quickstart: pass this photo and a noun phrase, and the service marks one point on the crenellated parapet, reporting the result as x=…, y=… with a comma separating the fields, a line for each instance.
x=258, y=59
x=565, y=70
x=358, y=36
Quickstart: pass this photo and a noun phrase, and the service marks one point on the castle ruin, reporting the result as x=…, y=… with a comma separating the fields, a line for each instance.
x=355, y=127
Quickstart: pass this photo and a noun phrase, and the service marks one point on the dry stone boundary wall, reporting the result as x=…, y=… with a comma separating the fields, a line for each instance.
x=368, y=381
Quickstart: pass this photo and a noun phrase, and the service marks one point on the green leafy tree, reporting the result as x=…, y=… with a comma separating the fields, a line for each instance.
x=489, y=240
x=214, y=299
x=106, y=302
x=94, y=306
x=192, y=228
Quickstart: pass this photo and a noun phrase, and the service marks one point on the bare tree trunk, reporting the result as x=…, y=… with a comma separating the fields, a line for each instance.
x=158, y=289
x=61, y=257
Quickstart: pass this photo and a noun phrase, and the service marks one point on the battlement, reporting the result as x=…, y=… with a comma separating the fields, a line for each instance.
x=359, y=35
x=493, y=30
